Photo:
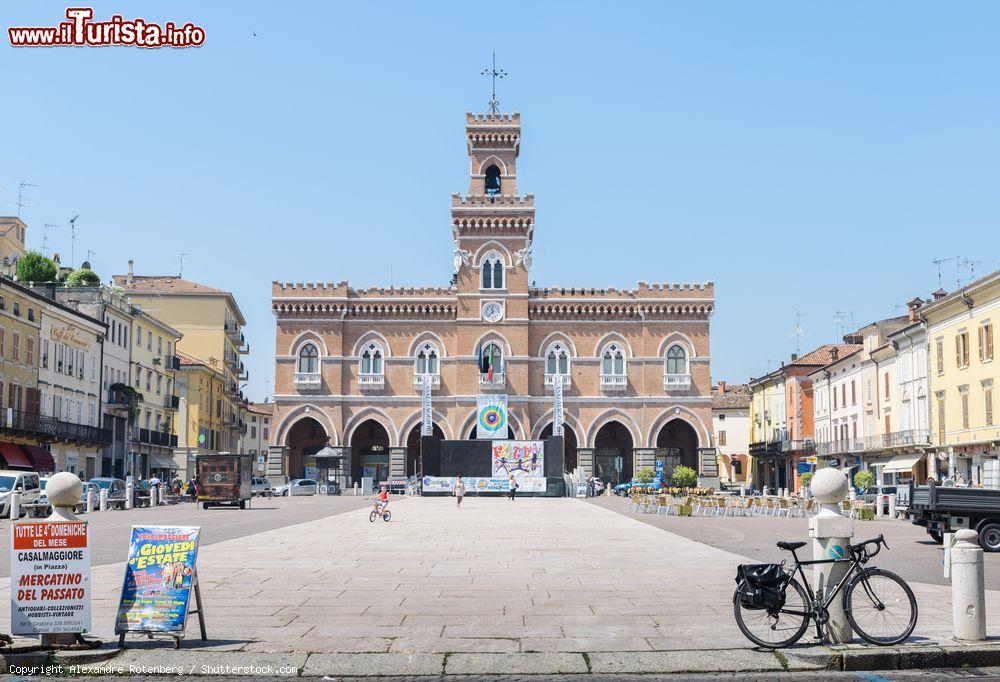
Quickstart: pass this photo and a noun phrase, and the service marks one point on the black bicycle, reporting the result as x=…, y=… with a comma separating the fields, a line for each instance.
x=879, y=605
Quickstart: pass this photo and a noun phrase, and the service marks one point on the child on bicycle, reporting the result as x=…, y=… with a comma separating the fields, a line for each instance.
x=382, y=501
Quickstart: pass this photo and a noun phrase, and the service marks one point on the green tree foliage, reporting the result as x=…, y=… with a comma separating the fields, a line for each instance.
x=84, y=277
x=806, y=478
x=864, y=480
x=34, y=267
x=645, y=475
x=684, y=477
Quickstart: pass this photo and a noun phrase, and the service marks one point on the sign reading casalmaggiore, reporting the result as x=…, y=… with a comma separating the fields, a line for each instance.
x=49, y=578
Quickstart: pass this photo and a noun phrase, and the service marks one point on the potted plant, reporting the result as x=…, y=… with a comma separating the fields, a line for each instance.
x=685, y=478
x=863, y=480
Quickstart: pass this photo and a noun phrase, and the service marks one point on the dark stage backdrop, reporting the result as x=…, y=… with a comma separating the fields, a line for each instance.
x=471, y=458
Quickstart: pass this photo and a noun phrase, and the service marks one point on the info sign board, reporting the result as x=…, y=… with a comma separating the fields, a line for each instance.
x=159, y=577
x=49, y=578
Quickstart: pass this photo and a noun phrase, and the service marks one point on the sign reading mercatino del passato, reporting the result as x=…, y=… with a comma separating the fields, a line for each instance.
x=49, y=578
x=159, y=576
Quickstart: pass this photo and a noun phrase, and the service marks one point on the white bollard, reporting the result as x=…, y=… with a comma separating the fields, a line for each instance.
x=947, y=543
x=153, y=501
x=15, y=506
x=90, y=500
x=831, y=532
x=355, y=489
x=129, y=491
x=878, y=505
x=892, y=506
x=104, y=499
x=968, y=591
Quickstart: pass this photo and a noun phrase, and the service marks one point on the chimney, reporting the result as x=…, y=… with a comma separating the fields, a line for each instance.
x=939, y=294
x=913, y=308
x=128, y=277
x=834, y=352
x=722, y=388
x=795, y=356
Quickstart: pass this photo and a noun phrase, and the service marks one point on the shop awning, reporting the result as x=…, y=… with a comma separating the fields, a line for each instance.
x=161, y=462
x=901, y=464
x=40, y=458
x=14, y=456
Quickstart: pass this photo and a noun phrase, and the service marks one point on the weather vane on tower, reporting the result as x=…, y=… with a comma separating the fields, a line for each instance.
x=494, y=74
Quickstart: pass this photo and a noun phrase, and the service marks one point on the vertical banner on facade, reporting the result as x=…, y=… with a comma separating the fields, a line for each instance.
x=427, y=421
x=159, y=577
x=557, y=405
x=49, y=577
x=491, y=415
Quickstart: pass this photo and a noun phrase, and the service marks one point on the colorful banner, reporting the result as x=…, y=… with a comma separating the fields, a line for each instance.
x=49, y=577
x=523, y=458
x=158, y=579
x=557, y=405
x=445, y=484
x=491, y=416
x=427, y=416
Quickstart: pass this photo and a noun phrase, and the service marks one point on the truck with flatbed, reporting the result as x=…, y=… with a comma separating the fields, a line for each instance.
x=943, y=509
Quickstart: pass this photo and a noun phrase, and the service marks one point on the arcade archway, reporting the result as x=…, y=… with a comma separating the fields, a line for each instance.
x=413, y=449
x=305, y=438
x=676, y=444
x=370, y=451
x=569, y=445
x=510, y=434
x=613, y=453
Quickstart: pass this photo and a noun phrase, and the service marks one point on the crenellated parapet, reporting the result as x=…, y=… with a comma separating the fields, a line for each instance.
x=670, y=290
x=364, y=311
x=600, y=311
x=481, y=201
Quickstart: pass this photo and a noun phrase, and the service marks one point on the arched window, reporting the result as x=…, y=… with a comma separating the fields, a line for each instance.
x=557, y=360
x=308, y=359
x=677, y=360
x=493, y=271
x=491, y=363
x=613, y=361
x=371, y=359
x=492, y=184
x=427, y=360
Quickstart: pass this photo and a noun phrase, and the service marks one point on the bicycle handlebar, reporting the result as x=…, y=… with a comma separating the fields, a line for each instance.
x=863, y=547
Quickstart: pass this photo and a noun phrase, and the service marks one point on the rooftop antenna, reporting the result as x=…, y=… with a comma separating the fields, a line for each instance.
x=972, y=266
x=838, y=321
x=939, y=261
x=45, y=237
x=89, y=252
x=20, y=195
x=267, y=389
x=180, y=270
x=494, y=74
x=72, y=239
x=798, y=331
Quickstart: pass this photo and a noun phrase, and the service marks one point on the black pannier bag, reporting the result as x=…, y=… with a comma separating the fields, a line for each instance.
x=764, y=586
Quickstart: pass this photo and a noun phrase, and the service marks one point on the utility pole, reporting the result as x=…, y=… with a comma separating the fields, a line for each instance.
x=72, y=239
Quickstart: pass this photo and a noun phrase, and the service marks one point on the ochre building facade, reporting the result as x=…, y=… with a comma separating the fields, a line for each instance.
x=634, y=363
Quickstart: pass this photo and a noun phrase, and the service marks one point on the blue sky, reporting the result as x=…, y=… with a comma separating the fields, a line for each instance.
x=807, y=157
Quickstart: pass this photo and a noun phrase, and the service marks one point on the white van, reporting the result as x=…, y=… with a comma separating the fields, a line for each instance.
x=24, y=482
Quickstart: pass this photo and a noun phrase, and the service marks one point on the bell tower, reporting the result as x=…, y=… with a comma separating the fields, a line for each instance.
x=492, y=225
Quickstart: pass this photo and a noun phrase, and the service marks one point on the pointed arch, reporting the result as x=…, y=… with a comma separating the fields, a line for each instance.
x=491, y=335
x=684, y=414
x=613, y=414
x=613, y=337
x=427, y=335
x=368, y=337
x=485, y=249
x=546, y=419
x=300, y=412
x=677, y=338
x=562, y=337
x=492, y=161
x=308, y=336
x=415, y=419
x=512, y=422
x=375, y=414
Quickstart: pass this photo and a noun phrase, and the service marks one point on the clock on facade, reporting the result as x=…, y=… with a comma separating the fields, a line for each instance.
x=492, y=311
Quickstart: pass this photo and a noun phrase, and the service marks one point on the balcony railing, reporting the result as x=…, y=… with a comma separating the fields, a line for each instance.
x=16, y=420
x=773, y=448
x=836, y=447
x=171, y=402
x=371, y=381
x=676, y=382
x=614, y=382
x=418, y=381
x=899, y=439
x=499, y=379
x=307, y=379
x=566, y=379
x=243, y=347
x=231, y=327
x=243, y=374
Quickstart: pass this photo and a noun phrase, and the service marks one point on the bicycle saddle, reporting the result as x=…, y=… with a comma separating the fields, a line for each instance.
x=791, y=546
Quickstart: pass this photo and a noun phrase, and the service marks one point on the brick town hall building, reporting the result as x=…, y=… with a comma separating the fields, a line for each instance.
x=634, y=363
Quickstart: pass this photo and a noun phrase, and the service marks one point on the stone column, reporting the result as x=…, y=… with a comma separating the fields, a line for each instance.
x=968, y=589
x=831, y=532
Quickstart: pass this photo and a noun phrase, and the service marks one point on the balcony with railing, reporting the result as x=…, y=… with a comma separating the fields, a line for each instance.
x=614, y=382
x=498, y=380
x=308, y=379
x=371, y=381
x=839, y=447
x=52, y=428
x=907, y=438
x=565, y=379
x=676, y=382
x=243, y=347
x=171, y=402
x=774, y=448
x=154, y=437
x=418, y=381
x=232, y=328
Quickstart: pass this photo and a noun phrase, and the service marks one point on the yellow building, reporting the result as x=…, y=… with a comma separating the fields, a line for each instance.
x=964, y=372
x=154, y=365
x=200, y=421
x=211, y=324
x=12, y=231
x=20, y=320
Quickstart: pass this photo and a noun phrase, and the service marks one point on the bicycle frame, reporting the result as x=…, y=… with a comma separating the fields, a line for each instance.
x=856, y=560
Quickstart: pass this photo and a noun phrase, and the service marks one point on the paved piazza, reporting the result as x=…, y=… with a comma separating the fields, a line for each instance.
x=536, y=575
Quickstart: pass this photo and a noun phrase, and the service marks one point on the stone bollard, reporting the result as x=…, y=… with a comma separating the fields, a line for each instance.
x=104, y=499
x=831, y=532
x=355, y=489
x=63, y=491
x=153, y=497
x=968, y=589
x=15, y=506
x=892, y=506
x=743, y=491
x=90, y=501
x=129, y=492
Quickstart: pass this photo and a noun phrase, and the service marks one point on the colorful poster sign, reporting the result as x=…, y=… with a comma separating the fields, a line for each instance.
x=491, y=416
x=49, y=577
x=159, y=577
x=444, y=484
x=523, y=458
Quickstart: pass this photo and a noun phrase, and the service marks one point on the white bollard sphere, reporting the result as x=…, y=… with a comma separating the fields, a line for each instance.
x=63, y=491
x=829, y=486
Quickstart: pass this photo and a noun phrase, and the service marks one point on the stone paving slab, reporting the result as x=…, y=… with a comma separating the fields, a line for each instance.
x=374, y=664
x=515, y=664
x=732, y=660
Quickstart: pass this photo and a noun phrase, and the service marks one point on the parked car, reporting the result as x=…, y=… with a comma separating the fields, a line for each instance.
x=297, y=486
x=261, y=487
x=80, y=506
x=115, y=488
x=24, y=482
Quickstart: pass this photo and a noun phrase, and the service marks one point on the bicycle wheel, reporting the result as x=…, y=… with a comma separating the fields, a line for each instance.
x=373, y=516
x=880, y=607
x=386, y=516
x=779, y=629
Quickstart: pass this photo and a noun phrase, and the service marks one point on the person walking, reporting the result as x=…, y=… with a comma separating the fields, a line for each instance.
x=459, y=492
x=513, y=487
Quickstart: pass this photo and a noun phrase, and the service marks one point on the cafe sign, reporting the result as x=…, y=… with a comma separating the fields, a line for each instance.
x=69, y=336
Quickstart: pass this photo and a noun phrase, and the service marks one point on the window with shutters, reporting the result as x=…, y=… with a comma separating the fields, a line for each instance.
x=854, y=393
x=835, y=397
x=15, y=347
x=939, y=351
x=962, y=348
x=985, y=341
x=888, y=424
x=963, y=393
x=843, y=394
x=30, y=350
x=988, y=401
x=886, y=384
x=940, y=417
x=722, y=437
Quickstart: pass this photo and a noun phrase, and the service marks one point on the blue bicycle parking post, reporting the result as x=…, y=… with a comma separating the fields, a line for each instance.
x=831, y=532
